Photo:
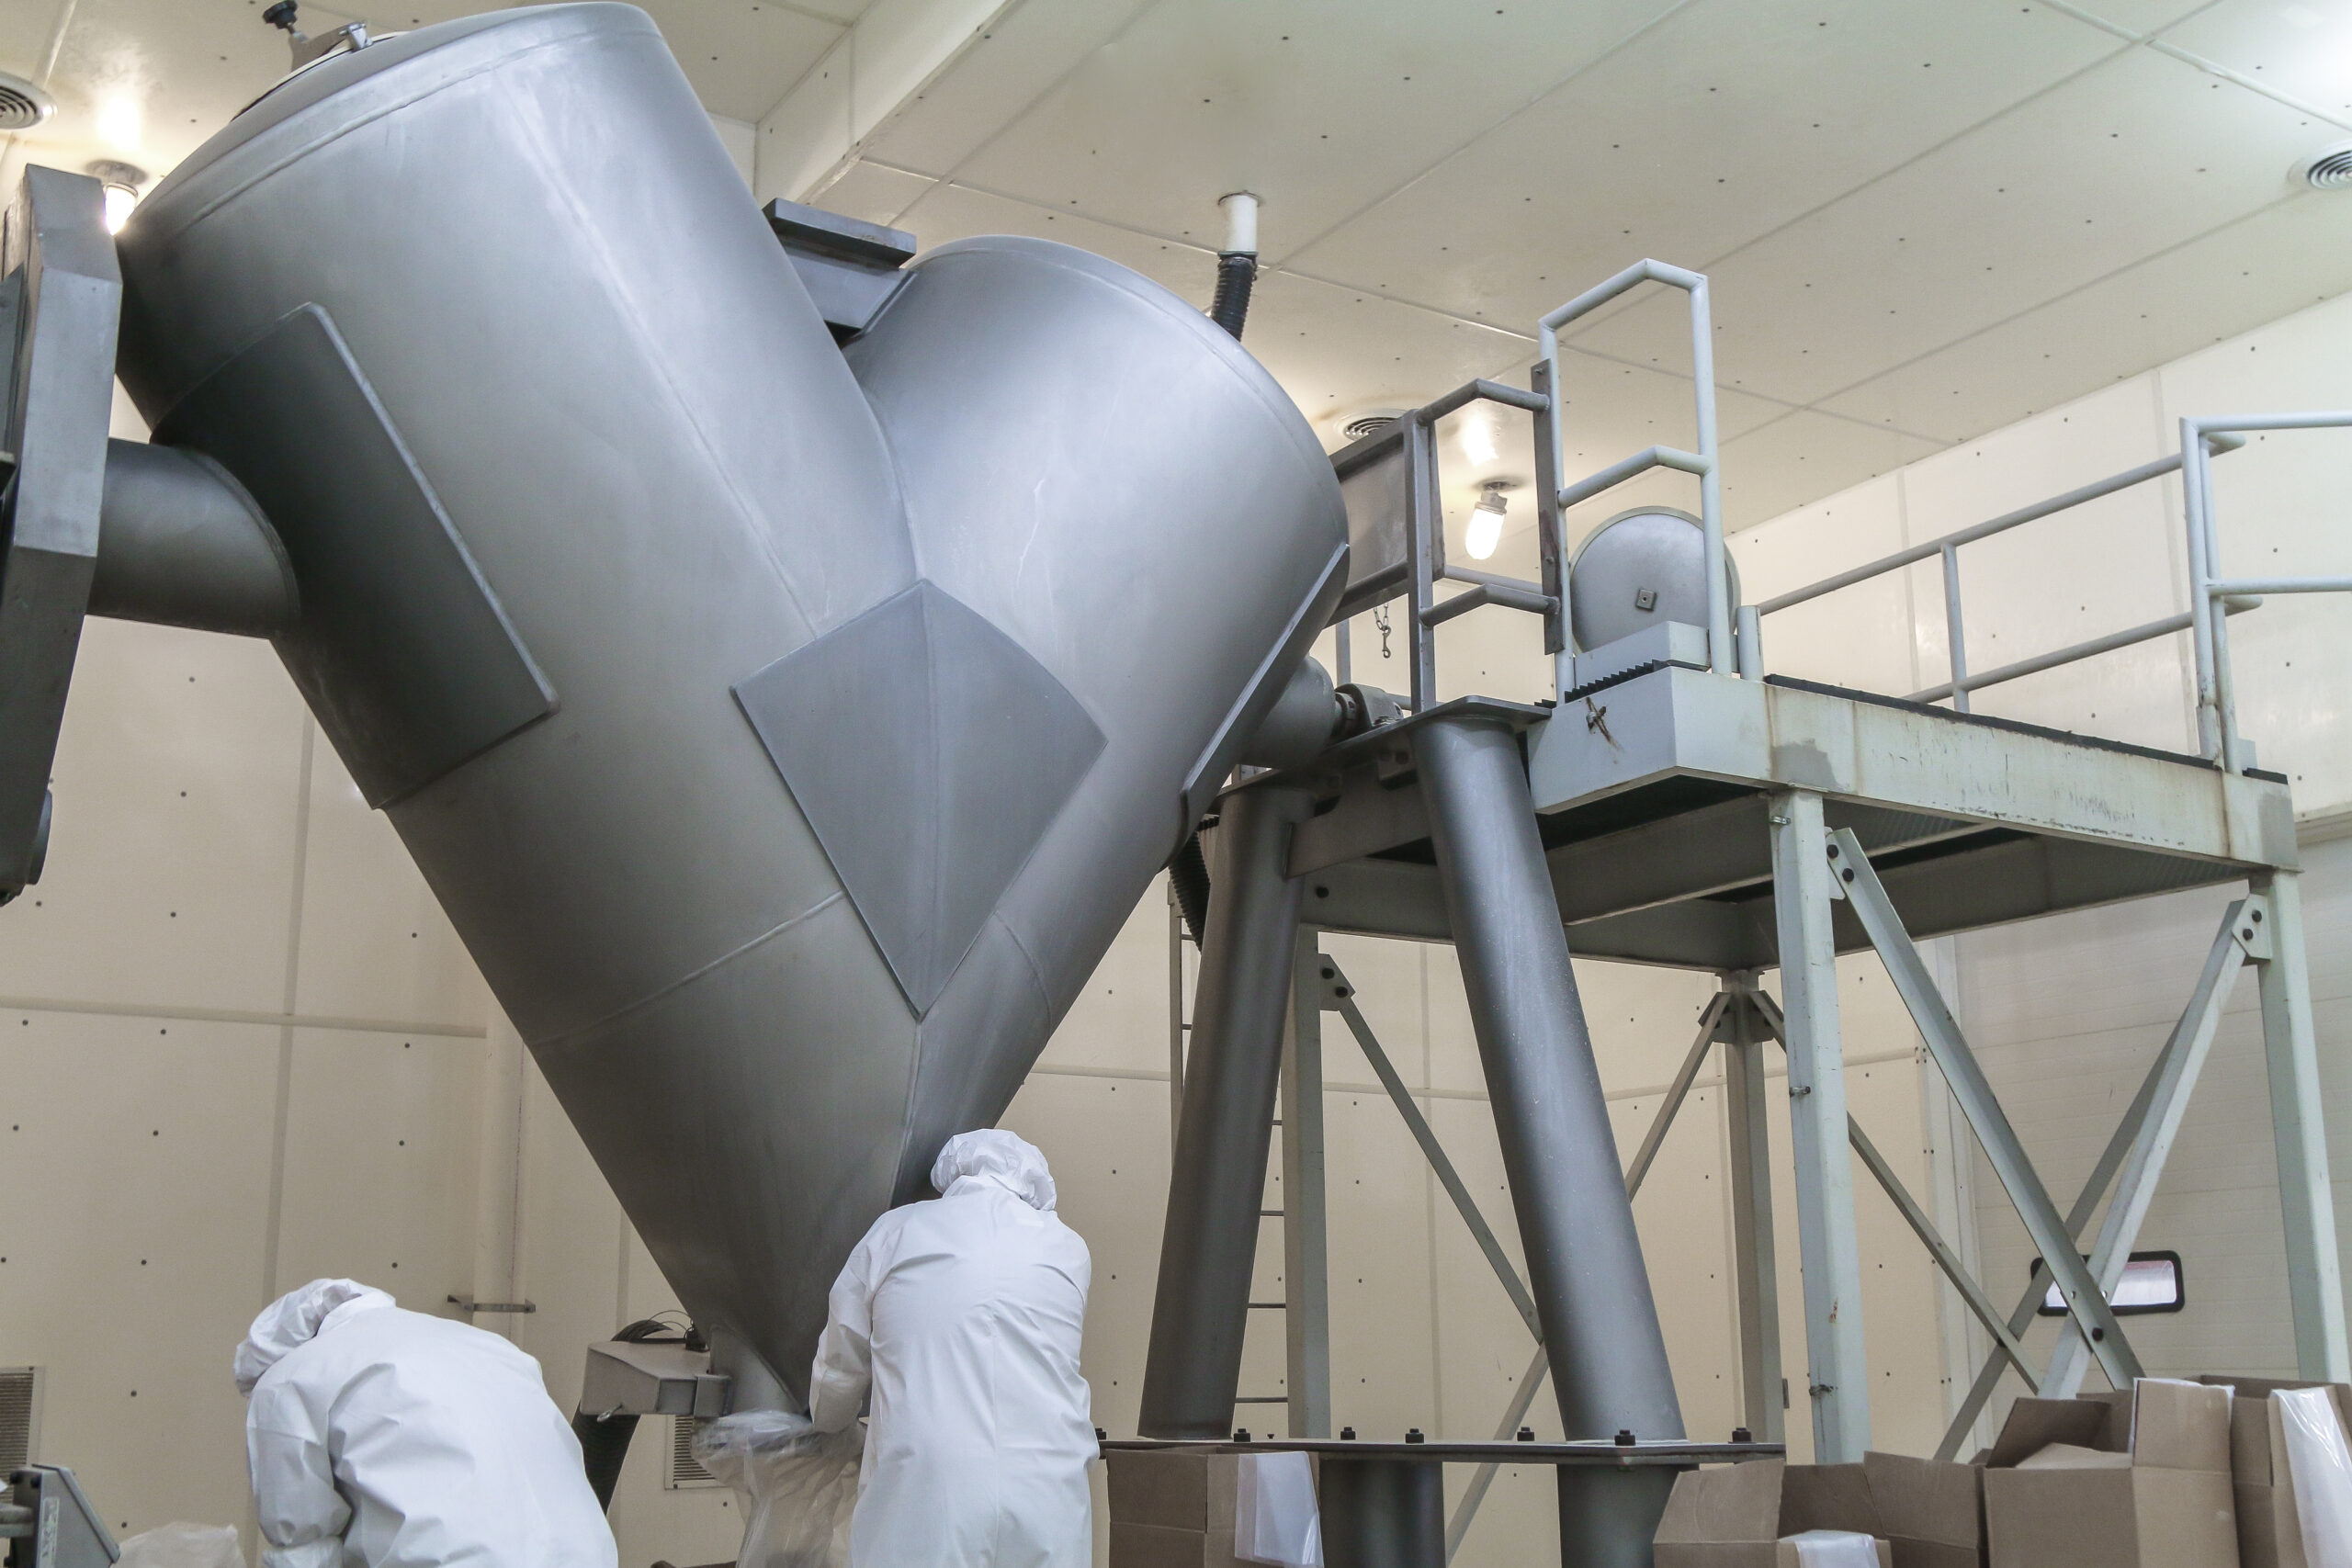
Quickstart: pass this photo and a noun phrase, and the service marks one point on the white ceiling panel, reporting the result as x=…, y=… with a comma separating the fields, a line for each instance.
x=1020, y=57
x=740, y=55
x=2257, y=270
x=2137, y=17
x=1319, y=105
x=1718, y=126
x=1802, y=456
x=25, y=27
x=870, y=191
x=2141, y=154
x=2302, y=47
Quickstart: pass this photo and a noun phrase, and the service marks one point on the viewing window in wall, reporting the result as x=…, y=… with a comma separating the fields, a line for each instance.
x=2151, y=1282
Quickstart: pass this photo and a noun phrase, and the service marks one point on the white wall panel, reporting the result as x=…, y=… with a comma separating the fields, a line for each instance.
x=375, y=943
x=381, y=1137
x=172, y=853
x=138, y=1153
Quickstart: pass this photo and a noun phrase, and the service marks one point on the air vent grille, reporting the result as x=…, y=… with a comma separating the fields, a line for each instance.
x=19, y=1390
x=2331, y=169
x=1370, y=424
x=683, y=1471
x=22, y=104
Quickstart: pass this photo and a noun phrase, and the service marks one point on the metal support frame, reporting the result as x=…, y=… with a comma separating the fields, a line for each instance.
x=1217, y=1185
x=1306, y=1281
x=1974, y=1093
x=1837, y=1377
x=2164, y=1077
x=2184, y=1061
x=1584, y=1259
x=1755, y=1257
x=2306, y=1197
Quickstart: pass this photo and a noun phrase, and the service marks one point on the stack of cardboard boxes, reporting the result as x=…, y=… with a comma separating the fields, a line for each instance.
x=2172, y=1475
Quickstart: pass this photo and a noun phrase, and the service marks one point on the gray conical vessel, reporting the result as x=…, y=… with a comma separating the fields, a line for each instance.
x=785, y=730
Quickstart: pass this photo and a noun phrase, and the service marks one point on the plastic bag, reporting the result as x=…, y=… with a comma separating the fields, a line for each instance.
x=2320, y=1463
x=1274, y=1516
x=184, y=1546
x=1834, y=1549
x=798, y=1485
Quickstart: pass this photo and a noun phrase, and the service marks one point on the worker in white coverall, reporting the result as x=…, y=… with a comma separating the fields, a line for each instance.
x=960, y=1319
x=391, y=1439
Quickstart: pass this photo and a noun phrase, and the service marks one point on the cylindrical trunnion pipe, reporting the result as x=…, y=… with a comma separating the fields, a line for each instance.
x=181, y=544
x=1218, y=1184
x=1584, y=1260
x=1383, y=1513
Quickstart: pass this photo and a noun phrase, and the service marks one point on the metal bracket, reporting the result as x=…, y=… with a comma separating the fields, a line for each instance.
x=467, y=1304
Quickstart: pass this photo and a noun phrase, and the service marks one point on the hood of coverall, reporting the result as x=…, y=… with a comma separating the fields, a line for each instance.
x=295, y=1319
x=993, y=1158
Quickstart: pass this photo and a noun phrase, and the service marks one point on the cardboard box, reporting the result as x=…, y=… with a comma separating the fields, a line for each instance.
x=1171, y=1510
x=1734, y=1515
x=2117, y=1480
x=2270, y=1530
x=1932, y=1512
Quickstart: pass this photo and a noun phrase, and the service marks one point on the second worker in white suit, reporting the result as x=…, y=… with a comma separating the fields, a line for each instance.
x=960, y=1320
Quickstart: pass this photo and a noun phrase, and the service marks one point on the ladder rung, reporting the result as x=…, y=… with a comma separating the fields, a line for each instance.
x=1270, y=1306
x=1261, y=1399
x=1269, y=1213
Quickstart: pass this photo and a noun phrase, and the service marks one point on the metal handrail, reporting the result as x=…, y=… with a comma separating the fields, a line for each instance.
x=2217, y=723
x=2201, y=440
x=1704, y=463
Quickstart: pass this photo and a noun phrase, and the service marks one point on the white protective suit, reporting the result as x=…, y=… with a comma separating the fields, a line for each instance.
x=384, y=1439
x=961, y=1318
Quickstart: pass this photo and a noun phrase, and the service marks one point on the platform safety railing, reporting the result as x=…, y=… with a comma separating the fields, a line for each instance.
x=2212, y=599
x=1702, y=464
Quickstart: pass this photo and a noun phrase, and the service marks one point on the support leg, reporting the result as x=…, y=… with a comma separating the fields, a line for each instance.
x=2314, y=1277
x=1307, y=1289
x=1383, y=1513
x=1837, y=1377
x=1756, y=1270
x=1210, y=1242
x=1584, y=1259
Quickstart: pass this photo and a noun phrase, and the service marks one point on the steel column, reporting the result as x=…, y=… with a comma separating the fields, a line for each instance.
x=1209, y=1246
x=1584, y=1260
x=1755, y=1276
x=1383, y=1513
x=1837, y=1376
x=2314, y=1276
x=1306, y=1283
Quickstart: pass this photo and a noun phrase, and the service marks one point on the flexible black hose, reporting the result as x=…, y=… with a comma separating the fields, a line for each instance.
x=1236, y=271
x=604, y=1449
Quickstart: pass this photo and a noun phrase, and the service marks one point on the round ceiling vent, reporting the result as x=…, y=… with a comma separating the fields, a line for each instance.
x=22, y=104
x=2330, y=168
x=1370, y=424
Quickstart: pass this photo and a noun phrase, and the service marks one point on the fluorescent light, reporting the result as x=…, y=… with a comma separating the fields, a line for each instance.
x=1485, y=530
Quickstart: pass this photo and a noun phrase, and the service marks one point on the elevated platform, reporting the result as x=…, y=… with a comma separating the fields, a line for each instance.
x=1653, y=801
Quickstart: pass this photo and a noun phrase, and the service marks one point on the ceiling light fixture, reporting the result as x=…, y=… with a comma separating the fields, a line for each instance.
x=1485, y=530
x=120, y=183
x=2330, y=168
